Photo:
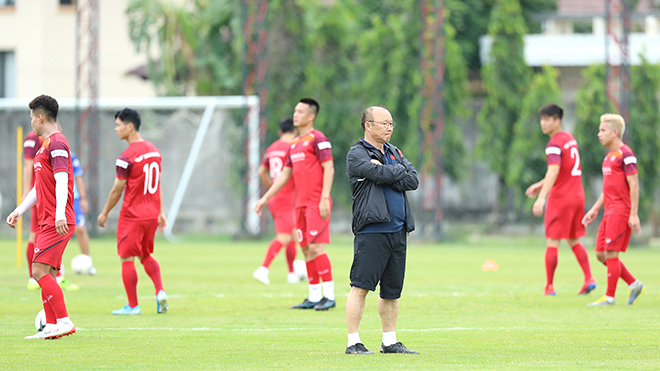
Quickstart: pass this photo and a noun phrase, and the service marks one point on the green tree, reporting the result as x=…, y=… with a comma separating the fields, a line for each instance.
x=644, y=134
x=589, y=106
x=505, y=77
x=528, y=162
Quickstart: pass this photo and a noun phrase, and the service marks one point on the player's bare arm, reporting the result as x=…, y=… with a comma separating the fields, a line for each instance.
x=281, y=180
x=548, y=182
x=328, y=177
x=80, y=182
x=162, y=219
x=28, y=165
x=113, y=198
x=633, y=220
x=590, y=216
x=29, y=200
x=533, y=190
x=264, y=175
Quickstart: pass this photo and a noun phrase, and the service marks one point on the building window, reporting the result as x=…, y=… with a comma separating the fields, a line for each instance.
x=7, y=75
x=6, y=2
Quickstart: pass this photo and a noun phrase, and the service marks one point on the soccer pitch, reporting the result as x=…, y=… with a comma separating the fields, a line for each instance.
x=456, y=315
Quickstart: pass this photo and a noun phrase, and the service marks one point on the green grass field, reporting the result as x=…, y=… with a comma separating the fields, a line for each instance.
x=456, y=315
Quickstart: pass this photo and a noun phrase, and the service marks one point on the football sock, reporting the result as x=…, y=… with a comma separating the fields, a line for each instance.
x=613, y=274
x=152, y=268
x=130, y=278
x=353, y=339
x=54, y=296
x=48, y=309
x=389, y=338
x=582, y=258
x=271, y=253
x=633, y=285
x=550, y=264
x=291, y=252
x=324, y=267
x=30, y=255
x=329, y=289
x=626, y=276
x=312, y=272
x=315, y=293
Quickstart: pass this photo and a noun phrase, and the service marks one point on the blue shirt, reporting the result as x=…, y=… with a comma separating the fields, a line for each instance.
x=77, y=171
x=395, y=203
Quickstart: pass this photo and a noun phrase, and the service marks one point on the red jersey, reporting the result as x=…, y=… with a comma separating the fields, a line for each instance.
x=305, y=157
x=139, y=165
x=274, y=159
x=31, y=145
x=52, y=157
x=562, y=150
x=617, y=165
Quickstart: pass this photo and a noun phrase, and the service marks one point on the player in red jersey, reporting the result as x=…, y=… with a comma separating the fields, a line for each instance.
x=53, y=195
x=310, y=163
x=138, y=174
x=621, y=200
x=281, y=205
x=562, y=185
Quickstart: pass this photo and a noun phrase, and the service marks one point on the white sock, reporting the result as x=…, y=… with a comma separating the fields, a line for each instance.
x=315, y=292
x=353, y=339
x=609, y=299
x=634, y=285
x=64, y=319
x=389, y=338
x=329, y=289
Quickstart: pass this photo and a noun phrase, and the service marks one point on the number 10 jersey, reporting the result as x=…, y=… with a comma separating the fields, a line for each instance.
x=139, y=165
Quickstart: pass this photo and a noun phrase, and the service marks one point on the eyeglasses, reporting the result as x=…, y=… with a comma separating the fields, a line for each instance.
x=385, y=124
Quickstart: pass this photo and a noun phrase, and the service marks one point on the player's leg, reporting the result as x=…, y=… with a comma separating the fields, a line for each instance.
x=583, y=259
x=291, y=252
x=616, y=236
x=551, y=258
x=354, y=309
x=129, y=235
x=29, y=251
x=318, y=235
x=314, y=282
x=151, y=265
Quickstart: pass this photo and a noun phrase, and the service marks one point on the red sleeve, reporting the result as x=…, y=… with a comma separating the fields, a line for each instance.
x=59, y=156
x=30, y=147
x=265, y=161
x=553, y=154
x=629, y=162
x=322, y=148
x=124, y=166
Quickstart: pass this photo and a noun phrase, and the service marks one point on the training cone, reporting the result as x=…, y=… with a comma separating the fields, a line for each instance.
x=490, y=266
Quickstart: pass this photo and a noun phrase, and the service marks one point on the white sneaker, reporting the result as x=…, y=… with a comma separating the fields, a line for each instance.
x=293, y=277
x=161, y=302
x=43, y=333
x=261, y=274
x=62, y=328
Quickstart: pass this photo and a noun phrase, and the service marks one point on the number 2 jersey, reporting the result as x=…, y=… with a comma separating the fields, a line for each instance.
x=274, y=160
x=562, y=150
x=139, y=165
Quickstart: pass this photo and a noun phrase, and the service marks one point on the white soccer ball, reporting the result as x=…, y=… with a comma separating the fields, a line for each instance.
x=81, y=264
x=300, y=268
x=40, y=320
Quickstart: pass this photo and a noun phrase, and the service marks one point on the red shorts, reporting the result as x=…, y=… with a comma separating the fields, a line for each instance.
x=135, y=237
x=283, y=219
x=310, y=228
x=564, y=221
x=33, y=220
x=613, y=234
x=49, y=246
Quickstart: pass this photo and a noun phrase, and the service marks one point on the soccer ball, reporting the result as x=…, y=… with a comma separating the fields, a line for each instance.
x=81, y=264
x=40, y=320
x=300, y=268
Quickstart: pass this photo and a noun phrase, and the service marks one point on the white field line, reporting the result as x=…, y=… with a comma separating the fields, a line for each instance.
x=212, y=329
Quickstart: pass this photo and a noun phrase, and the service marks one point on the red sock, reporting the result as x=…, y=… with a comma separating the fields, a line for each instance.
x=613, y=274
x=130, y=278
x=324, y=267
x=152, y=268
x=273, y=249
x=54, y=296
x=312, y=273
x=583, y=258
x=291, y=252
x=550, y=264
x=626, y=276
x=29, y=252
x=48, y=309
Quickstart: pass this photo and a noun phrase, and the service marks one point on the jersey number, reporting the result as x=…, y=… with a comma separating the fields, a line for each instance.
x=151, y=174
x=576, y=166
x=276, y=167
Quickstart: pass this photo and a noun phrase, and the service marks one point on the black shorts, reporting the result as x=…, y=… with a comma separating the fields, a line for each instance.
x=380, y=257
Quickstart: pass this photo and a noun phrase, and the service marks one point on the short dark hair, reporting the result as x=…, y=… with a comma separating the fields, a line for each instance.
x=286, y=125
x=47, y=106
x=552, y=110
x=368, y=115
x=129, y=115
x=312, y=104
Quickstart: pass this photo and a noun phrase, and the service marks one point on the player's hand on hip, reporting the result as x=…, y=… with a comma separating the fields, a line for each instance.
x=537, y=209
x=12, y=219
x=260, y=206
x=101, y=220
x=324, y=208
x=635, y=224
x=61, y=227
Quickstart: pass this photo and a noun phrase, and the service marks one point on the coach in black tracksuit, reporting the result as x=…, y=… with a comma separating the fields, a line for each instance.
x=379, y=176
